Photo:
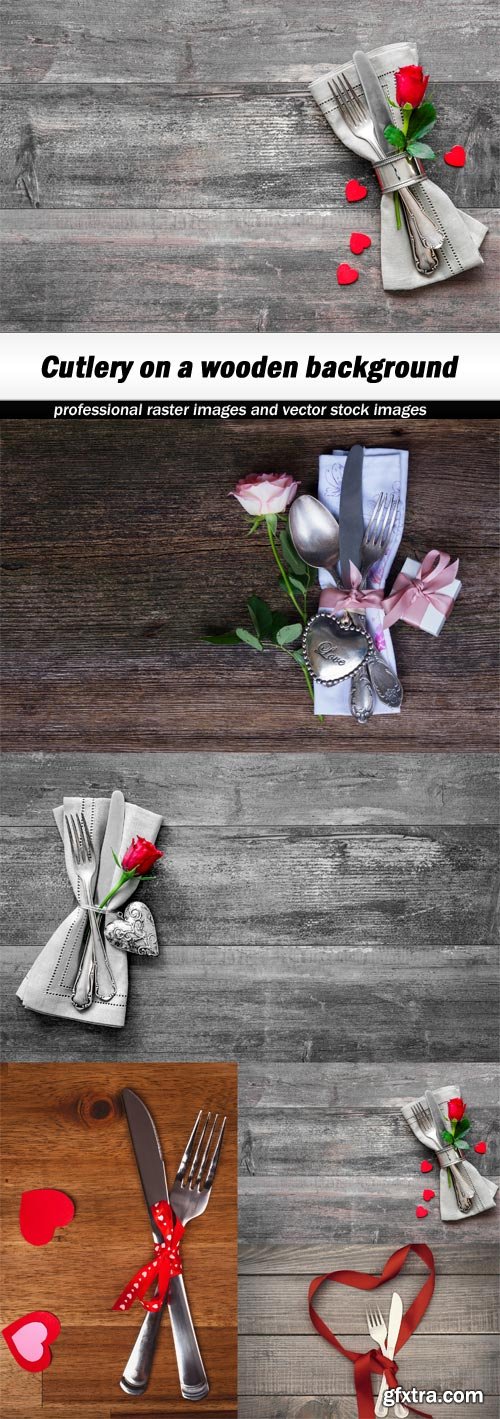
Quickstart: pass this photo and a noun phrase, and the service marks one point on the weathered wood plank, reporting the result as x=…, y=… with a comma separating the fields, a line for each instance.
x=284, y=1406
x=277, y=1305
x=452, y=1255
x=207, y=40
x=265, y=1088
x=353, y=1208
x=300, y=1364
x=109, y=146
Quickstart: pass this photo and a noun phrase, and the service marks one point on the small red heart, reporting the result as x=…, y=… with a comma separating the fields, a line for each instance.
x=428, y=1194
x=480, y=1147
x=355, y=191
x=456, y=158
x=359, y=242
x=421, y=1212
x=426, y=1167
x=346, y=275
x=29, y=1339
x=41, y=1211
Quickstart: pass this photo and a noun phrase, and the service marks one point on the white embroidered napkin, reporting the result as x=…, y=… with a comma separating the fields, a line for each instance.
x=463, y=233
x=385, y=470
x=49, y=983
x=484, y=1190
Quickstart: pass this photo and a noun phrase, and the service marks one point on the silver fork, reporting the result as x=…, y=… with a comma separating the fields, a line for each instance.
x=94, y=980
x=377, y=1330
x=464, y=1192
x=425, y=238
x=376, y=539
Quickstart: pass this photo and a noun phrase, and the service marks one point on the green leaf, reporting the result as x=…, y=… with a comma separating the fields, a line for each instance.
x=419, y=131
x=420, y=150
x=448, y=1137
x=393, y=103
x=248, y=638
x=297, y=584
x=291, y=557
x=298, y=657
x=261, y=615
x=425, y=114
x=394, y=136
x=462, y=1126
x=272, y=520
x=287, y=634
x=222, y=638
x=462, y=1144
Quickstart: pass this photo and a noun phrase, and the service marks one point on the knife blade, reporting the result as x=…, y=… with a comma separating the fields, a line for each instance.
x=148, y=1154
x=351, y=521
x=380, y=111
x=393, y=1328
x=436, y=1115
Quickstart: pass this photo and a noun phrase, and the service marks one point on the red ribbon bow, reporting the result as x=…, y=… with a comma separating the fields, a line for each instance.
x=435, y=572
x=337, y=598
x=167, y=1263
x=372, y=1361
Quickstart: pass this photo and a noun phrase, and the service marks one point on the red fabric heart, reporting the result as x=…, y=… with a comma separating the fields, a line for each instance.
x=41, y=1211
x=428, y=1194
x=457, y=157
x=355, y=191
x=426, y=1167
x=359, y=242
x=346, y=275
x=480, y=1147
x=421, y=1212
x=29, y=1337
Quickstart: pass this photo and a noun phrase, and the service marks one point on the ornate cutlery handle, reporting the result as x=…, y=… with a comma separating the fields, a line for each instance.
x=425, y=258
x=399, y=1410
x=192, y=1375
x=464, y=1191
x=431, y=237
x=95, y=980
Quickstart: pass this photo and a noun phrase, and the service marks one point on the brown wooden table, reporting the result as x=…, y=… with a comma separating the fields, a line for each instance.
x=64, y=1126
x=122, y=547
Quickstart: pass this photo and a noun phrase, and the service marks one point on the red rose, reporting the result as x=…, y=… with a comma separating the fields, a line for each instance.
x=411, y=83
x=140, y=856
x=456, y=1109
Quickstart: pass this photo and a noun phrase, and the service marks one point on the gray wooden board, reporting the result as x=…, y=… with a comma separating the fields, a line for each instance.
x=271, y=928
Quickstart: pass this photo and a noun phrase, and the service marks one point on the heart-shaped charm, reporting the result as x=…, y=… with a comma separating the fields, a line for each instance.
x=134, y=931
x=346, y=275
x=29, y=1339
x=355, y=191
x=41, y=1211
x=457, y=157
x=333, y=649
x=359, y=242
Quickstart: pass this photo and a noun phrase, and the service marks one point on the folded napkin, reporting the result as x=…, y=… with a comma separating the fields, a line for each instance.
x=385, y=470
x=463, y=234
x=484, y=1190
x=48, y=985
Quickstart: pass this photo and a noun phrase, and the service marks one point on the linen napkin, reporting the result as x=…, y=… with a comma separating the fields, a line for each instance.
x=385, y=470
x=463, y=233
x=47, y=987
x=484, y=1190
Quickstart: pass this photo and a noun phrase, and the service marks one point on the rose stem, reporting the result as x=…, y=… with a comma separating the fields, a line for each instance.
x=282, y=571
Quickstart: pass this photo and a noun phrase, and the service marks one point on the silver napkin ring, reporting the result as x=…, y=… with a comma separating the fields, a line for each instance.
x=399, y=171
x=447, y=1156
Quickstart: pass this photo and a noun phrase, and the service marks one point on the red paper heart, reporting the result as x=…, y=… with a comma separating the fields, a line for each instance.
x=428, y=1194
x=359, y=242
x=421, y=1212
x=29, y=1339
x=355, y=191
x=426, y=1167
x=346, y=275
x=456, y=158
x=480, y=1147
x=41, y=1211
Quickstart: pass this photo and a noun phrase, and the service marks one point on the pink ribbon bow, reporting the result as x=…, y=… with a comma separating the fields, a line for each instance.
x=338, y=598
x=167, y=1263
x=435, y=572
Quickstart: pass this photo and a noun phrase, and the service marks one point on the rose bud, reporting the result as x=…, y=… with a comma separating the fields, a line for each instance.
x=456, y=1109
x=265, y=493
x=140, y=856
x=411, y=83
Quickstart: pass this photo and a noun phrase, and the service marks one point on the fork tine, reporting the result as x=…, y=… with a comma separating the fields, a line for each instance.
x=381, y=532
x=194, y=1163
x=215, y=1157
x=342, y=101
x=357, y=100
x=87, y=837
x=76, y=832
x=373, y=520
x=187, y=1151
x=393, y=520
x=72, y=841
x=201, y=1168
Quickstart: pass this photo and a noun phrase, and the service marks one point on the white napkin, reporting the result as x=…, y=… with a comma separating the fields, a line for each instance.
x=385, y=470
x=49, y=983
x=464, y=234
x=484, y=1190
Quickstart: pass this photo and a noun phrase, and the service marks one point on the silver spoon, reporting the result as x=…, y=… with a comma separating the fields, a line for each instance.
x=315, y=535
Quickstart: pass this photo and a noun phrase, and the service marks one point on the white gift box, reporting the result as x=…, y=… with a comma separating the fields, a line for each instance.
x=432, y=619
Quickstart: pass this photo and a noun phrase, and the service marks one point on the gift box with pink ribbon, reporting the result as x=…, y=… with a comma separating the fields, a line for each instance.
x=424, y=593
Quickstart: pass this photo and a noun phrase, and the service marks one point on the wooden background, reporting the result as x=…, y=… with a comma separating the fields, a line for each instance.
x=64, y=1126
x=122, y=548
x=187, y=179
x=309, y=907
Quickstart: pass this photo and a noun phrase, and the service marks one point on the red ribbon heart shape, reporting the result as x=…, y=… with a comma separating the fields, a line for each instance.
x=41, y=1211
x=346, y=275
x=457, y=157
x=29, y=1338
x=359, y=242
x=355, y=191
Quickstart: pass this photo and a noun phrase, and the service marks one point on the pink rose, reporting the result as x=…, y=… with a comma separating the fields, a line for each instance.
x=263, y=494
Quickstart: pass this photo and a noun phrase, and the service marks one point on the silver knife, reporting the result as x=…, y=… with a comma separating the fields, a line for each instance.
x=192, y=1374
x=351, y=521
x=381, y=115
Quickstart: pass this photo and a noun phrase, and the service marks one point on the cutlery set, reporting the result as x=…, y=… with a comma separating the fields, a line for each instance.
x=94, y=980
x=189, y=1198
x=386, y=1337
x=336, y=647
x=431, y=1123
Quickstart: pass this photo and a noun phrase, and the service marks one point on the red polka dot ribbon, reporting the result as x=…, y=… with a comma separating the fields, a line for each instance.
x=167, y=1263
x=371, y=1362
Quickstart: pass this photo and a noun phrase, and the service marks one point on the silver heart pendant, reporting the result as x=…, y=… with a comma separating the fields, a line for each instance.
x=334, y=649
x=133, y=930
